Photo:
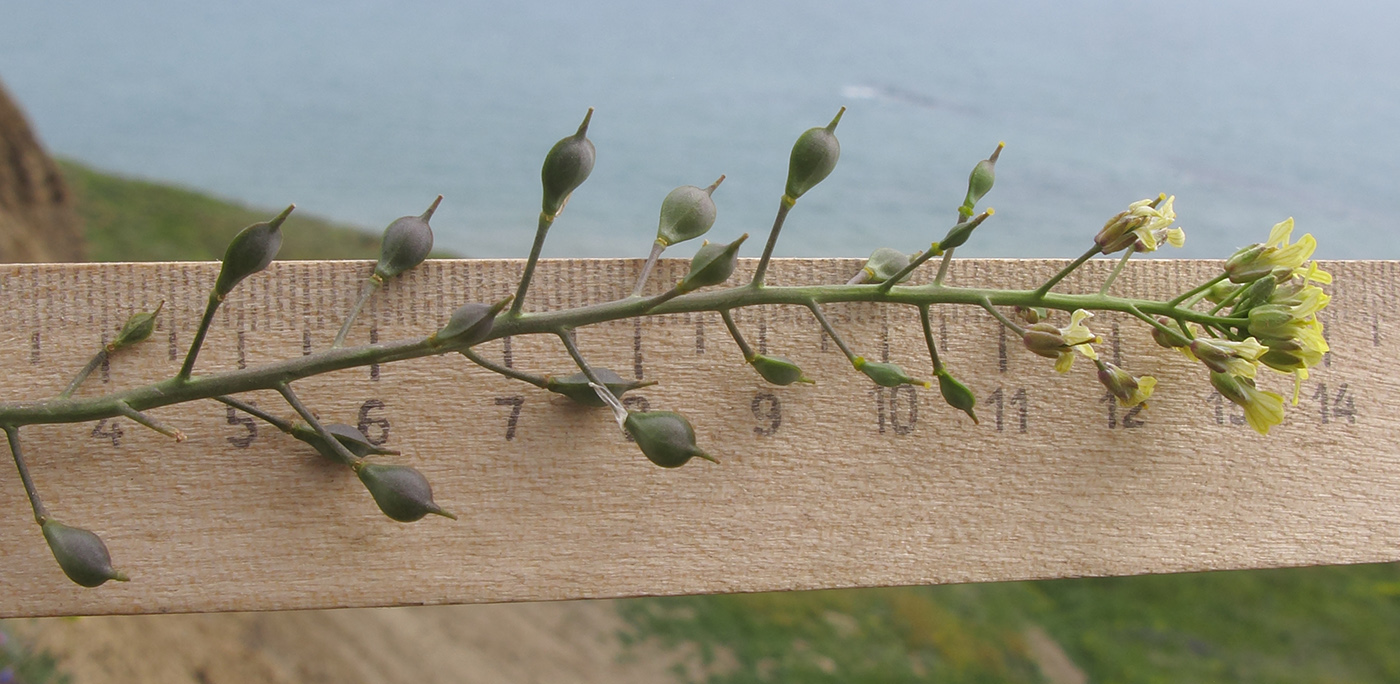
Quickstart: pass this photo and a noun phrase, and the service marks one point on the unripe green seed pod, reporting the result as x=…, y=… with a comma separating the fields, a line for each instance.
x=250, y=251
x=1221, y=291
x=138, y=328
x=1272, y=320
x=957, y=395
x=979, y=183
x=470, y=323
x=348, y=435
x=712, y=264
x=667, y=439
x=960, y=233
x=884, y=263
x=886, y=374
x=81, y=554
x=401, y=492
x=687, y=212
x=566, y=167
x=1285, y=361
x=407, y=242
x=813, y=158
x=1255, y=294
x=778, y=370
x=576, y=386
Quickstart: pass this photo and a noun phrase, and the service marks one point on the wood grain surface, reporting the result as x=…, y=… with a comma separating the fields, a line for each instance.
x=840, y=484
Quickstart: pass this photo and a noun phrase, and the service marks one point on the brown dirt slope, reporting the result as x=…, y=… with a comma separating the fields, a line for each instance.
x=37, y=218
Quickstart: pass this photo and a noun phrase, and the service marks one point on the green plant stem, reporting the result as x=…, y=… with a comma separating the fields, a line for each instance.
x=255, y=412
x=1117, y=268
x=1152, y=322
x=150, y=422
x=475, y=358
x=987, y=304
x=943, y=267
x=1055, y=280
x=783, y=208
x=600, y=387
x=188, y=366
x=540, y=232
x=270, y=376
x=83, y=374
x=826, y=325
x=1199, y=289
x=340, y=450
x=738, y=337
x=40, y=513
x=1227, y=300
x=928, y=338
x=371, y=286
x=656, y=249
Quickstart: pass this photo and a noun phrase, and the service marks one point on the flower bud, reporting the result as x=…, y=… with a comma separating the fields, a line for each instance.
x=712, y=264
x=1129, y=390
x=137, y=329
x=778, y=370
x=686, y=213
x=470, y=323
x=566, y=167
x=1221, y=291
x=348, y=435
x=813, y=158
x=1247, y=264
x=883, y=264
x=250, y=251
x=81, y=554
x=407, y=242
x=401, y=492
x=957, y=394
x=979, y=183
x=1255, y=294
x=1031, y=314
x=886, y=374
x=576, y=386
x=1169, y=340
x=1044, y=339
x=667, y=439
x=1273, y=320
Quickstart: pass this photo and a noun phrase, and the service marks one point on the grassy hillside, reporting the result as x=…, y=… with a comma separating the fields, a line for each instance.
x=136, y=220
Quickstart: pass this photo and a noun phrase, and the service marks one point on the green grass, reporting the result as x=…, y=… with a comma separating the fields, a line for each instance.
x=1323, y=624
x=136, y=220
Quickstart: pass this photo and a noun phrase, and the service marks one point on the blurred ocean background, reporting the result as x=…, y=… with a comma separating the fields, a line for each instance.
x=363, y=111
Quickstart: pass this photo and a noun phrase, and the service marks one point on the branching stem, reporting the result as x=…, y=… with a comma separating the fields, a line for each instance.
x=83, y=374
x=541, y=231
x=371, y=286
x=783, y=208
x=340, y=450
x=738, y=336
x=1055, y=279
x=928, y=338
x=188, y=366
x=40, y=513
x=477, y=359
x=1117, y=268
x=826, y=325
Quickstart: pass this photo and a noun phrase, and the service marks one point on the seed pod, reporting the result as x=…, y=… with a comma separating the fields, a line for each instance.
x=81, y=554
x=250, y=251
x=407, y=242
x=883, y=264
x=957, y=395
x=401, y=492
x=778, y=370
x=1255, y=294
x=712, y=264
x=979, y=183
x=566, y=167
x=136, y=329
x=886, y=374
x=687, y=212
x=813, y=158
x=576, y=386
x=667, y=439
x=960, y=233
x=1221, y=291
x=470, y=323
x=348, y=435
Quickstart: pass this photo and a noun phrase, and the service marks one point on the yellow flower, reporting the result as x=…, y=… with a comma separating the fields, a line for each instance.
x=1129, y=390
x=1228, y=356
x=1062, y=343
x=1138, y=227
x=1262, y=410
x=1256, y=261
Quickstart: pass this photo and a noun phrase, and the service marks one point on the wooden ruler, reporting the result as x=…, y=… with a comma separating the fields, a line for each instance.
x=841, y=484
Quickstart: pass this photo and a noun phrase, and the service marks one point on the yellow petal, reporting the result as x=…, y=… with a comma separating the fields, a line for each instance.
x=1280, y=232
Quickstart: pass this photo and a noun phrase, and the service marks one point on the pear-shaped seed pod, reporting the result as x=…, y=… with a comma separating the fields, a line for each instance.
x=687, y=213
x=566, y=167
x=348, y=435
x=470, y=323
x=980, y=181
x=250, y=251
x=712, y=264
x=886, y=374
x=138, y=328
x=883, y=264
x=81, y=554
x=959, y=234
x=667, y=439
x=407, y=242
x=401, y=492
x=813, y=158
x=576, y=386
x=957, y=395
x=778, y=370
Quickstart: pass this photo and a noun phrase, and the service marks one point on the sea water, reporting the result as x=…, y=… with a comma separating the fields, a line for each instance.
x=363, y=111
